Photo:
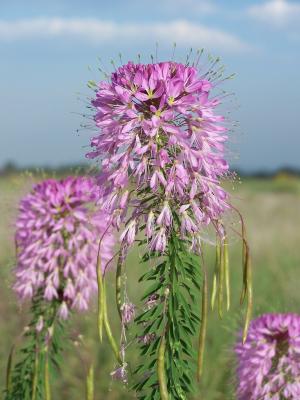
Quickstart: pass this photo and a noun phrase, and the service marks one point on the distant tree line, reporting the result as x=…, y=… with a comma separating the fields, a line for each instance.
x=11, y=168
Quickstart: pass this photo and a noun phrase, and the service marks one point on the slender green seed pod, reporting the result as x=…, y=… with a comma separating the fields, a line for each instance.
x=90, y=383
x=110, y=337
x=227, y=275
x=249, y=301
x=214, y=291
x=203, y=327
x=120, y=265
x=9, y=369
x=215, y=277
x=245, y=269
x=221, y=282
x=161, y=370
x=47, y=377
x=35, y=375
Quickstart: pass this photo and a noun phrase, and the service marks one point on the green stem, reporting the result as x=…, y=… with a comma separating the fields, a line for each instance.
x=100, y=297
x=90, y=383
x=169, y=324
x=47, y=377
x=35, y=374
x=9, y=369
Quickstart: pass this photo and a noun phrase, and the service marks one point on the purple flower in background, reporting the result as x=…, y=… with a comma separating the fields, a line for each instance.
x=128, y=312
x=269, y=361
x=120, y=374
x=157, y=126
x=57, y=238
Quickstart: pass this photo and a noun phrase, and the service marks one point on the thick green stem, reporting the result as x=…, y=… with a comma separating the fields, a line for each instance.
x=169, y=324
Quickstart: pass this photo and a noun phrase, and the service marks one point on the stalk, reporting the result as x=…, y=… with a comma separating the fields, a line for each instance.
x=35, y=374
x=47, y=376
x=170, y=325
x=29, y=378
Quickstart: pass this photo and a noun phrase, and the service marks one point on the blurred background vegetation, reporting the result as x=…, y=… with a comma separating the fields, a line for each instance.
x=271, y=208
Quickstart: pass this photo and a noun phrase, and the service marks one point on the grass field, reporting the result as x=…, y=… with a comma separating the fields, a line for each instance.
x=271, y=209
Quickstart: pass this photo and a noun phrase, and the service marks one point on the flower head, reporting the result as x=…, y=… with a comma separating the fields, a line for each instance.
x=269, y=361
x=157, y=125
x=57, y=237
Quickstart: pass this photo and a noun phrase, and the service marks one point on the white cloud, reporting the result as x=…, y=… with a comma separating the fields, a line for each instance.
x=276, y=12
x=196, y=6
x=97, y=31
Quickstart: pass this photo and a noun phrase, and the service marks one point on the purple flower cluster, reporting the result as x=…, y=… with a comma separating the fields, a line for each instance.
x=269, y=361
x=157, y=128
x=57, y=238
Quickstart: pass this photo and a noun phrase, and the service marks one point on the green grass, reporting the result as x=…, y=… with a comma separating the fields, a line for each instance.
x=271, y=209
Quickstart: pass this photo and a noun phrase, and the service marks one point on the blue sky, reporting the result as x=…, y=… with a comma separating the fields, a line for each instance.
x=50, y=49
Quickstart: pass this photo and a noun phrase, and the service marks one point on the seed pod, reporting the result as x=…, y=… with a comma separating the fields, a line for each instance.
x=220, y=281
x=249, y=301
x=90, y=383
x=203, y=327
x=161, y=370
x=227, y=275
x=120, y=265
x=110, y=337
x=215, y=277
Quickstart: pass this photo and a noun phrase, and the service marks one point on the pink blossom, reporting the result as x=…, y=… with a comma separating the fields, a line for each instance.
x=128, y=312
x=58, y=230
x=157, y=127
x=269, y=362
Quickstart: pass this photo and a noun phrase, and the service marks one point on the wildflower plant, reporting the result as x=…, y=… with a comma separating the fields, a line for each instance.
x=160, y=143
x=57, y=235
x=268, y=363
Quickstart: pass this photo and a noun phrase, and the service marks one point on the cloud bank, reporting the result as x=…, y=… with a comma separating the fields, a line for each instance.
x=276, y=12
x=97, y=31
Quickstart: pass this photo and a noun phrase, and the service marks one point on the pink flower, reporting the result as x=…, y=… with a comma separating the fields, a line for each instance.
x=165, y=217
x=57, y=236
x=128, y=312
x=157, y=126
x=269, y=362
